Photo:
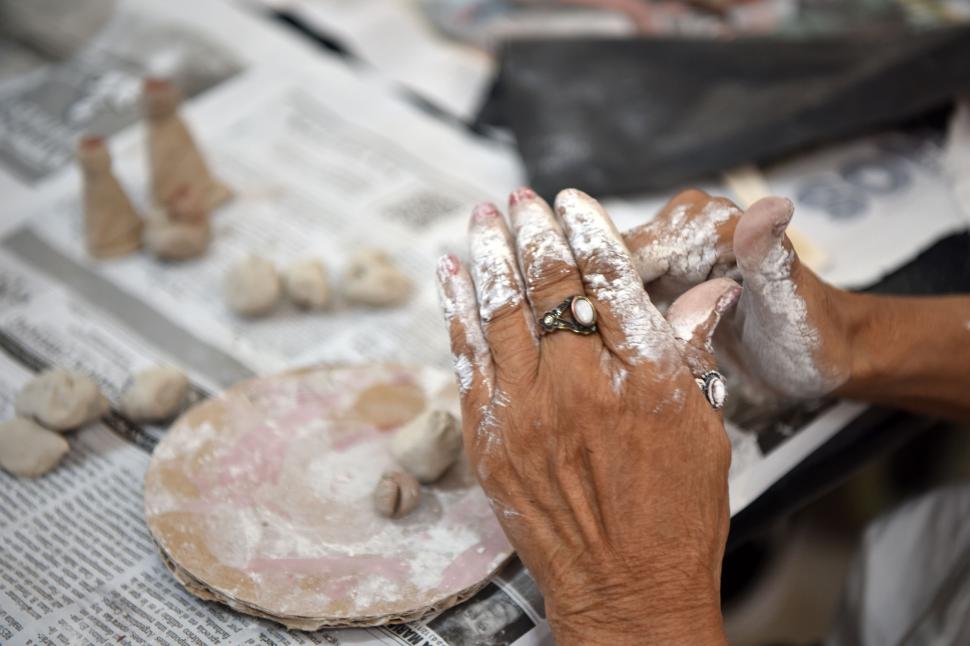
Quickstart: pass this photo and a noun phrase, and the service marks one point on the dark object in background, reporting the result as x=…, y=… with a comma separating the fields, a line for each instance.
x=622, y=116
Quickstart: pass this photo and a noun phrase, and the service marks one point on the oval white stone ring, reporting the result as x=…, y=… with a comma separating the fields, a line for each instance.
x=714, y=387
x=580, y=309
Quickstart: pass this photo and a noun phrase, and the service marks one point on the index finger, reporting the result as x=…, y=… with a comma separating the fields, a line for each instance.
x=629, y=324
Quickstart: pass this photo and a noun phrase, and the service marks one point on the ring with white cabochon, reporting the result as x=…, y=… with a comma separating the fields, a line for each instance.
x=583, y=316
x=714, y=387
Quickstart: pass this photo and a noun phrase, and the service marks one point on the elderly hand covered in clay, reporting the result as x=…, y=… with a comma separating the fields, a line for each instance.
x=603, y=460
x=795, y=336
x=786, y=337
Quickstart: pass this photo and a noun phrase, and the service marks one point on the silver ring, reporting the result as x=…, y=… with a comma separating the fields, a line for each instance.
x=581, y=310
x=714, y=387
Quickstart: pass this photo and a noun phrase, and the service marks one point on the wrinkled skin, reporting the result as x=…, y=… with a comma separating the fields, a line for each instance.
x=604, y=462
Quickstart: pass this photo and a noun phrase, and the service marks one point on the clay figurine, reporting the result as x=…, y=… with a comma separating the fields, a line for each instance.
x=173, y=157
x=112, y=228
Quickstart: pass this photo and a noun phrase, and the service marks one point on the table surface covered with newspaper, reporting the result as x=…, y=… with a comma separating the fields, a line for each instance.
x=325, y=159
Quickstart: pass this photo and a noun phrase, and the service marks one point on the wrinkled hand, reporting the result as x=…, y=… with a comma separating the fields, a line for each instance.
x=601, y=457
x=786, y=337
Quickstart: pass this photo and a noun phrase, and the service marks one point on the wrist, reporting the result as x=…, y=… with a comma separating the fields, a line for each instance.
x=649, y=618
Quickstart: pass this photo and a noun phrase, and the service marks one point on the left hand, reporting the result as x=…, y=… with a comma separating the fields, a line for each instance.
x=602, y=459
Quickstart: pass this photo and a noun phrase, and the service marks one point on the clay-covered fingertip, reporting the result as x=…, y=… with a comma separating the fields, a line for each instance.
x=483, y=212
x=448, y=266
x=91, y=141
x=156, y=83
x=521, y=194
x=761, y=228
x=729, y=298
x=776, y=210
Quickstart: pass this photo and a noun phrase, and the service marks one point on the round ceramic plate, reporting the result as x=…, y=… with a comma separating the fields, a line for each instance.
x=262, y=498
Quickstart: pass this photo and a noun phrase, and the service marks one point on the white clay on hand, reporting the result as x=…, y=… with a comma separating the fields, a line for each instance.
x=61, y=400
x=372, y=278
x=306, y=284
x=28, y=450
x=252, y=286
x=397, y=494
x=155, y=394
x=428, y=446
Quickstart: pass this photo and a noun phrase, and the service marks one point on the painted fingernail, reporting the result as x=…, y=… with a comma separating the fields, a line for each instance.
x=447, y=265
x=91, y=141
x=728, y=300
x=484, y=211
x=521, y=195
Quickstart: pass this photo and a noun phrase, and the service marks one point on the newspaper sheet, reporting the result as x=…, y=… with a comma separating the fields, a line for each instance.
x=398, y=41
x=74, y=68
x=324, y=162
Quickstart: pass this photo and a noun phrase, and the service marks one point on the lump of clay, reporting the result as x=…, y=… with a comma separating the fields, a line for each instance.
x=111, y=226
x=179, y=230
x=61, y=400
x=372, y=278
x=28, y=450
x=306, y=284
x=427, y=446
x=155, y=394
x=252, y=286
x=397, y=494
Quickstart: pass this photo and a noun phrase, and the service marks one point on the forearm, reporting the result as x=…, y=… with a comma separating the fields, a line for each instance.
x=912, y=353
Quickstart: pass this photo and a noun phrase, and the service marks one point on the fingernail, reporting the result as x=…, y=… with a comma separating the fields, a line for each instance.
x=484, y=211
x=728, y=300
x=447, y=265
x=521, y=195
x=91, y=141
x=783, y=217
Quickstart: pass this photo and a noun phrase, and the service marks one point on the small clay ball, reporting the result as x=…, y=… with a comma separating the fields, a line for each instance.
x=252, y=286
x=61, y=400
x=397, y=494
x=428, y=446
x=28, y=450
x=155, y=394
x=306, y=284
x=371, y=278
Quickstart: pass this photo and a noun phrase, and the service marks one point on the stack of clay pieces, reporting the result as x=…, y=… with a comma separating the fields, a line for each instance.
x=58, y=401
x=253, y=287
x=55, y=402
x=183, y=191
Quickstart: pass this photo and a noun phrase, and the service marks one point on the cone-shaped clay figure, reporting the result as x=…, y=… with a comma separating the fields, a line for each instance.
x=181, y=231
x=173, y=157
x=111, y=226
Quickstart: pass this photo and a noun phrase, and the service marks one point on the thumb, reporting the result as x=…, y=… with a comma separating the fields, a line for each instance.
x=760, y=245
x=694, y=317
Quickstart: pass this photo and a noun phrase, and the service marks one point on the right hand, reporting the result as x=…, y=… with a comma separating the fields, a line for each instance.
x=786, y=338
